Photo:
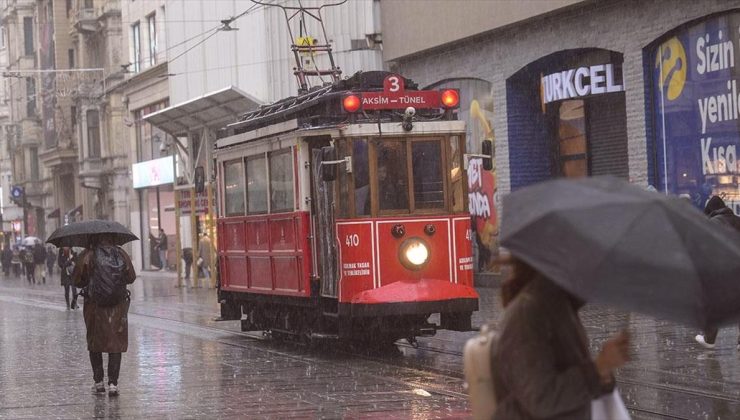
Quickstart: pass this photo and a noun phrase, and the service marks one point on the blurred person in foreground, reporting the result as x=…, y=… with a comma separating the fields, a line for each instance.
x=542, y=368
x=719, y=213
x=104, y=270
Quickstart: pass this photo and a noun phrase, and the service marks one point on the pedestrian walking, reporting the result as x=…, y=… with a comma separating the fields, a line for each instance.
x=51, y=259
x=17, y=262
x=187, y=257
x=39, y=262
x=7, y=260
x=718, y=212
x=104, y=270
x=542, y=367
x=28, y=264
x=66, y=262
x=205, y=248
x=162, y=248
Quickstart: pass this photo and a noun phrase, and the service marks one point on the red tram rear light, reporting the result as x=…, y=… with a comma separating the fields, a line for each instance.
x=351, y=103
x=450, y=98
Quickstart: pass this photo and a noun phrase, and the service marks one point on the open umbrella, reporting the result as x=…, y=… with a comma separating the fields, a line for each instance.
x=31, y=241
x=605, y=240
x=82, y=234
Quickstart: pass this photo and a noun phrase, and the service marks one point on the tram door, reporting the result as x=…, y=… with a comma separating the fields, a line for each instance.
x=322, y=206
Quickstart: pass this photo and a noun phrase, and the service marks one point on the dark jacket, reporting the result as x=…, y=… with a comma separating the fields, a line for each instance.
x=7, y=256
x=39, y=254
x=65, y=261
x=542, y=368
x=107, y=327
x=726, y=217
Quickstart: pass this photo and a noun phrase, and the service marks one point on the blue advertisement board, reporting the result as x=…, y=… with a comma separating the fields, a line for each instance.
x=696, y=107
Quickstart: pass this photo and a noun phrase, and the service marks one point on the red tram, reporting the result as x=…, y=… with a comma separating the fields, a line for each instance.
x=343, y=213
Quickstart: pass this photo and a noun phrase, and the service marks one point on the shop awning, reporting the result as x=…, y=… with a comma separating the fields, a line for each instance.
x=213, y=110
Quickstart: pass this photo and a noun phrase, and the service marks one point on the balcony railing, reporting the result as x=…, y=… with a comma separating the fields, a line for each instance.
x=85, y=19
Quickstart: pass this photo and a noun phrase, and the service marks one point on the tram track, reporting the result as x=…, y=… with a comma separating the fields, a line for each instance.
x=41, y=299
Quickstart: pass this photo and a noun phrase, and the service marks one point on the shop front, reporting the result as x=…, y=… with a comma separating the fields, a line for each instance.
x=567, y=117
x=694, y=104
x=153, y=181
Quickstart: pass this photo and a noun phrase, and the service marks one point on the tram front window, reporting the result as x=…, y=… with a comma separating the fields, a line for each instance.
x=392, y=176
x=426, y=161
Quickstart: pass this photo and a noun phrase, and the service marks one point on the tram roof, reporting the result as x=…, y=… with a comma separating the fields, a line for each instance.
x=213, y=110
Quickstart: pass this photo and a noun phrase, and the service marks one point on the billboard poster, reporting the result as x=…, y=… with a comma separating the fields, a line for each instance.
x=48, y=79
x=476, y=109
x=696, y=108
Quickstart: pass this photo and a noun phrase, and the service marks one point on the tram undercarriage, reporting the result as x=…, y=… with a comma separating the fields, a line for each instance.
x=320, y=319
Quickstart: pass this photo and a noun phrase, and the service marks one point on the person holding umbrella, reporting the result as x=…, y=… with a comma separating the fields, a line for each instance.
x=719, y=213
x=104, y=270
x=542, y=364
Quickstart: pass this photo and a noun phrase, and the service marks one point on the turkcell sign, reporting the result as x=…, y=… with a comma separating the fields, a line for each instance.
x=580, y=82
x=395, y=96
x=696, y=107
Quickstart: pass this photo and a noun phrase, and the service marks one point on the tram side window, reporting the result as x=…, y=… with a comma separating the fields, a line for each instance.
x=426, y=163
x=361, y=173
x=393, y=183
x=281, y=181
x=234, y=186
x=456, y=175
x=256, y=185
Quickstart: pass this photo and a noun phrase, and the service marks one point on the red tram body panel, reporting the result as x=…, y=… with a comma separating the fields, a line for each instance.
x=266, y=254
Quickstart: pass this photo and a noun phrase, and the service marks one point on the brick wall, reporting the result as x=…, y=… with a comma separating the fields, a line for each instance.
x=625, y=26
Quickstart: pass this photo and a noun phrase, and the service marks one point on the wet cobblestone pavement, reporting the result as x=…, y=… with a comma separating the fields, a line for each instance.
x=182, y=364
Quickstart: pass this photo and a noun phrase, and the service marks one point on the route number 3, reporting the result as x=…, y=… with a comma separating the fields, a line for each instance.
x=352, y=240
x=395, y=84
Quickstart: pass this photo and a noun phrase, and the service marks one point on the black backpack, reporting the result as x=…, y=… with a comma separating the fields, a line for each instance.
x=108, y=276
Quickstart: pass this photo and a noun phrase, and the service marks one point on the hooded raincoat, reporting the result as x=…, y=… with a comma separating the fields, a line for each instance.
x=107, y=326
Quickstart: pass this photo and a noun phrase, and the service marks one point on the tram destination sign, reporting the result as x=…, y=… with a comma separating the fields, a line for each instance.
x=395, y=96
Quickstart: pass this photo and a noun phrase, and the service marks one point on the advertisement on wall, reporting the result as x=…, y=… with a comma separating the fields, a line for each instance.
x=696, y=104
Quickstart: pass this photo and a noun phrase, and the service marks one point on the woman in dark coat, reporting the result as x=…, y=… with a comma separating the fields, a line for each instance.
x=107, y=326
x=542, y=368
x=66, y=262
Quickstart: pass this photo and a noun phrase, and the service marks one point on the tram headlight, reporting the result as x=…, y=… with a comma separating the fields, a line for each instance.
x=414, y=253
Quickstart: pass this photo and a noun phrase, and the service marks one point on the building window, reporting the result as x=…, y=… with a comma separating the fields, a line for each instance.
x=71, y=58
x=68, y=7
x=89, y=4
x=93, y=134
x=28, y=35
x=152, y=23
x=30, y=97
x=136, y=42
x=34, y=157
x=73, y=116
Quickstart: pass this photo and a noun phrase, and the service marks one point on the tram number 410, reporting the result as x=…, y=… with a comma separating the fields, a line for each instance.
x=352, y=240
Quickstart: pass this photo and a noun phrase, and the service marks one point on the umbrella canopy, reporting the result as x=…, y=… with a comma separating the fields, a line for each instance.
x=82, y=234
x=607, y=241
x=31, y=241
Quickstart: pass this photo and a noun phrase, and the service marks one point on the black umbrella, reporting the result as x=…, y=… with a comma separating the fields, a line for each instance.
x=82, y=234
x=607, y=241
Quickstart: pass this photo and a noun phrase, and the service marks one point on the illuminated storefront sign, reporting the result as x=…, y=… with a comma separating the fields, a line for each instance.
x=580, y=82
x=696, y=109
x=153, y=172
